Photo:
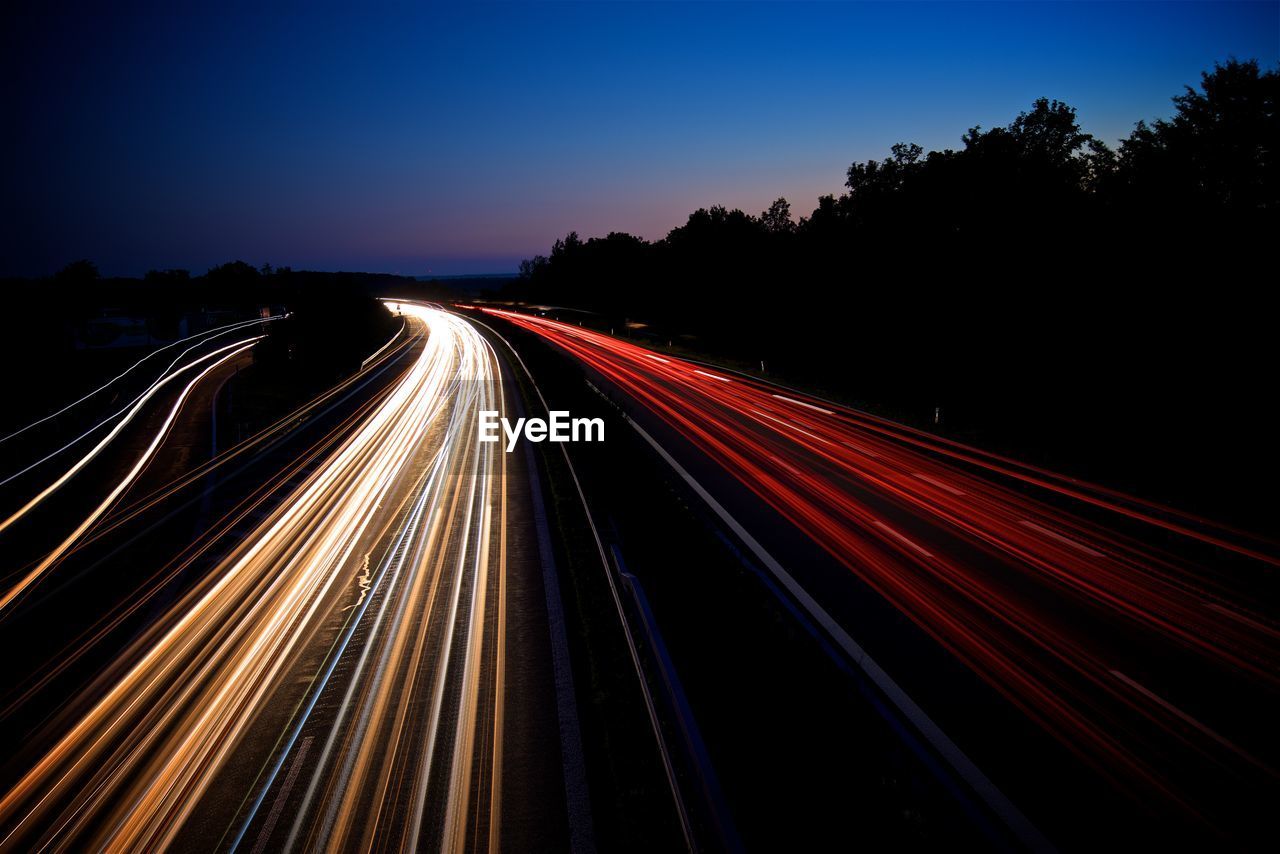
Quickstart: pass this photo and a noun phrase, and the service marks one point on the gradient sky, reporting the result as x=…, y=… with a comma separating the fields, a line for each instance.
x=458, y=139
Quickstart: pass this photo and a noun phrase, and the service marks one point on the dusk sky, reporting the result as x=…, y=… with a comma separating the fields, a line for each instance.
x=462, y=139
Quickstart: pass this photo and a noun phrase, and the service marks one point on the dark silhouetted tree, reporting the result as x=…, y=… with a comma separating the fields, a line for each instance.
x=1031, y=257
x=167, y=277
x=777, y=219
x=1216, y=156
x=79, y=272
x=233, y=271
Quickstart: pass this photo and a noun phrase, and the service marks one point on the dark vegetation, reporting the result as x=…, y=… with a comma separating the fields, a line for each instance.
x=1101, y=310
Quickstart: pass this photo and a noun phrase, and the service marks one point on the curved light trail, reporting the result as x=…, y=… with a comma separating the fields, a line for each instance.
x=128, y=413
x=200, y=337
x=226, y=354
x=340, y=668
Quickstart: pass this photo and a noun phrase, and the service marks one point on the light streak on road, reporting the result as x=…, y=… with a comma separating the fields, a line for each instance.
x=814, y=407
x=128, y=414
x=979, y=552
x=226, y=353
x=386, y=741
x=201, y=337
x=235, y=459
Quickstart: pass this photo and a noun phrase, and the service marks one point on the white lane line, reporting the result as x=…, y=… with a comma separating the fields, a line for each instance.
x=937, y=483
x=1013, y=818
x=861, y=450
x=1055, y=535
x=713, y=376
x=278, y=806
x=1186, y=718
x=904, y=539
x=805, y=405
x=792, y=426
x=658, y=358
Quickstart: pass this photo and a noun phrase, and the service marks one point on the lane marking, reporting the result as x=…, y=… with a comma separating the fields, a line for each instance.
x=937, y=483
x=805, y=405
x=577, y=795
x=861, y=450
x=1018, y=824
x=712, y=376
x=278, y=806
x=1060, y=538
x=790, y=425
x=903, y=538
x=659, y=358
x=682, y=812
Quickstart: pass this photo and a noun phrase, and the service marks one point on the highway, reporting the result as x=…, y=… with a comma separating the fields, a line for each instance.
x=205, y=365
x=140, y=403
x=304, y=640
x=1142, y=641
x=336, y=678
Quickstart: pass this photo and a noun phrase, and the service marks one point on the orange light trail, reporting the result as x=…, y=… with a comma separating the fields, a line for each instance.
x=413, y=491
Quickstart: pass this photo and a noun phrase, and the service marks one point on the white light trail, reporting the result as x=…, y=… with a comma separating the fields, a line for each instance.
x=413, y=485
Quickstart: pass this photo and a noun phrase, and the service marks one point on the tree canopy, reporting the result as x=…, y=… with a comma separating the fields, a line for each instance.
x=1031, y=274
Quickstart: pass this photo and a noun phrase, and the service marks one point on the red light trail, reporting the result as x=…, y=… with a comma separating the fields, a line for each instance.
x=979, y=552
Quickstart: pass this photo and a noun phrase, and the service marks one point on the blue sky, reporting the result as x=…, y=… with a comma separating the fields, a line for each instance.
x=462, y=138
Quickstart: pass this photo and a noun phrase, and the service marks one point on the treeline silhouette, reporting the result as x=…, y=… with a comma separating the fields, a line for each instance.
x=1106, y=309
